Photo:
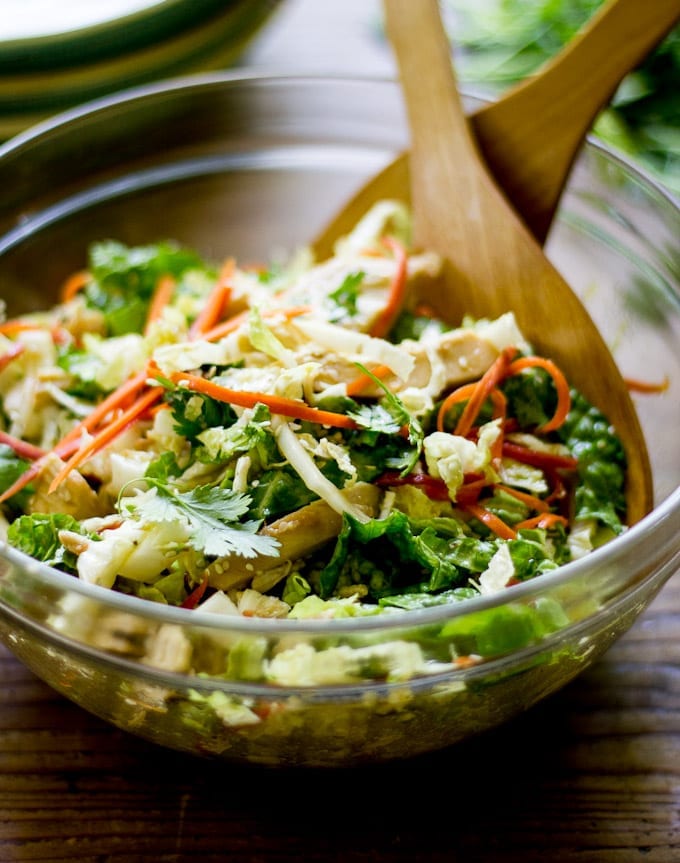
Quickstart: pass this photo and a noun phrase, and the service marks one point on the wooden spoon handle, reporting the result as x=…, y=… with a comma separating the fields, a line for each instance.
x=453, y=196
x=492, y=263
x=532, y=134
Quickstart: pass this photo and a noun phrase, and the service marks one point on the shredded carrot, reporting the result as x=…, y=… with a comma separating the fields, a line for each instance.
x=225, y=327
x=500, y=405
x=469, y=492
x=489, y=380
x=435, y=489
x=216, y=302
x=361, y=382
x=277, y=404
x=460, y=394
x=161, y=297
x=558, y=488
x=465, y=392
x=538, y=458
x=637, y=386
x=495, y=524
x=16, y=325
x=111, y=431
x=73, y=284
x=544, y=519
x=15, y=351
x=561, y=386
x=230, y=324
x=21, y=447
x=116, y=399
x=196, y=594
x=396, y=294
x=69, y=444
x=533, y=502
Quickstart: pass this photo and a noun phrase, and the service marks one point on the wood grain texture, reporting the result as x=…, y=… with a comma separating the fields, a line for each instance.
x=591, y=775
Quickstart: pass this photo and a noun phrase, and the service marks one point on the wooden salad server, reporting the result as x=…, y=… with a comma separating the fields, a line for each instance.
x=531, y=135
x=493, y=263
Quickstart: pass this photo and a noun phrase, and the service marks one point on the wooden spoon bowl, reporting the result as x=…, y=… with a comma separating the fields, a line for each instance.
x=493, y=263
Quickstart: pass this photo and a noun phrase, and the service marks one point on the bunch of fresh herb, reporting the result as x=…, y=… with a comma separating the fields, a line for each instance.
x=503, y=41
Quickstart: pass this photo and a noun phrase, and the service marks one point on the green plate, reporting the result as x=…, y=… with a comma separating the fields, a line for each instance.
x=35, y=38
x=213, y=43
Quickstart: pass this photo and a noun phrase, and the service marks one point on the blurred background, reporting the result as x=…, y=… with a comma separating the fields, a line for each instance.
x=54, y=56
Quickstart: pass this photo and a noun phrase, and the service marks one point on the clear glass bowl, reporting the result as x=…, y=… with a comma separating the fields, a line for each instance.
x=250, y=166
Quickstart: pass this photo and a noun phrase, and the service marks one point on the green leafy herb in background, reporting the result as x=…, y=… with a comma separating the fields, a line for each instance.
x=503, y=41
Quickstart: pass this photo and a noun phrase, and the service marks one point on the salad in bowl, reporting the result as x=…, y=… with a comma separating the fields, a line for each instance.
x=293, y=441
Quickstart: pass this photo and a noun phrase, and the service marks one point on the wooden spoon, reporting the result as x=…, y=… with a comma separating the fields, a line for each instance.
x=493, y=263
x=530, y=136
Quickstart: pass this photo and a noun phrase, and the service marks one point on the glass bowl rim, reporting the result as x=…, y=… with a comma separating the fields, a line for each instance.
x=398, y=619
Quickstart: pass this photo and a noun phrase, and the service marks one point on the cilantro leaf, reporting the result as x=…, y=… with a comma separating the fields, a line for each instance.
x=390, y=415
x=124, y=278
x=212, y=514
x=251, y=434
x=193, y=413
x=346, y=296
x=163, y=468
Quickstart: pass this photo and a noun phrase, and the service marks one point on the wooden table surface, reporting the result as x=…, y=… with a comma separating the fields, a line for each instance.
x=592, y=775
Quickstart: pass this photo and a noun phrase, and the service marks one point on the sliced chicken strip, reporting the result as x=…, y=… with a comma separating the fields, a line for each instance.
x=73, y=497
x=455, y=358
x=300, y=533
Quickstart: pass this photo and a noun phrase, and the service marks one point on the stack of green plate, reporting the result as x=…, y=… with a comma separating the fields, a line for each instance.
x=55, y=55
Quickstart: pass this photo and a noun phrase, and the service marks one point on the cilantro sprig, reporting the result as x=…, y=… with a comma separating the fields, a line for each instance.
x=212, y=515
x=389, y=415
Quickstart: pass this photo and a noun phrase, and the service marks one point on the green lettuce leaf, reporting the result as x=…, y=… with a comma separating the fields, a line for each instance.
x=38, y=536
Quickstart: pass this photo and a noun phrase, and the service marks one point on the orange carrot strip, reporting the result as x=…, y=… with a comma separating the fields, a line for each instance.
x=500, y=405
x=469, y=492
x=111, y=431
x=13, y=327
x=161, y=297
x=277, y=404
x=223, y=329
x=396, y=294
x=216, y=303
x=10, y=328
x=638, y=386
x=16, y=350
x=464, y=392
x=118, y=397
x=561, y=385
x=196, y=595
x=544, y=519
x=356, y=386
x=458, y=395
x=495, y=524
x=530, y=500
x=233, y=323
x=73, y=284
x=69, y=444
x=539, y=458
x=488, y=381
